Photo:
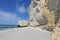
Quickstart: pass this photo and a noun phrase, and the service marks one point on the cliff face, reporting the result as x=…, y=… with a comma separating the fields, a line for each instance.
x=35, y=10
x=54, y=5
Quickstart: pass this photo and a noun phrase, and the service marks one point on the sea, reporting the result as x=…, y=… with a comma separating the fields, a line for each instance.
x=4, y=27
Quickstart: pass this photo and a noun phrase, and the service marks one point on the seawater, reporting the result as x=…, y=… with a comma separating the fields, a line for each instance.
x=4, y=27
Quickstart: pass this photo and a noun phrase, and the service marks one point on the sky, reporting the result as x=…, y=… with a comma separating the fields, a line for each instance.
x=11, y=11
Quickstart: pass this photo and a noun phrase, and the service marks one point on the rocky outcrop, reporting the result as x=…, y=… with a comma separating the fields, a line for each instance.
x=23, y=23
x=35, y=12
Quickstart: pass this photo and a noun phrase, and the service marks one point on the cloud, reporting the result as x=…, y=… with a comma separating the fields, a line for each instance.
x=21, y=8
x=8, y=17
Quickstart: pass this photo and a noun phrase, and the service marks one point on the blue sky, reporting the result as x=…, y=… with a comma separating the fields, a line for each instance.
x=11, y=11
